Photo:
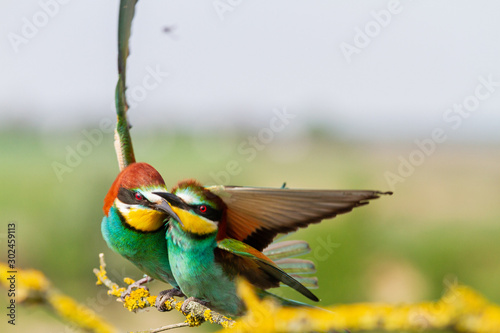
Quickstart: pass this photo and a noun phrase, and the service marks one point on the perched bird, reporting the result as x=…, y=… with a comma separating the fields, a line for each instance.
x=134, y=222
x=134, y=226
x=218, y=233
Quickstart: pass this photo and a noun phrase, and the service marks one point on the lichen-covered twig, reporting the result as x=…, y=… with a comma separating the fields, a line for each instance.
x=140, y=299
x=33, y=287
x=461, y=309
x=166, y=328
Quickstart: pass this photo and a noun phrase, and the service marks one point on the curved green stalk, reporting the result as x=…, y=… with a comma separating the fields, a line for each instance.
x=123, y=141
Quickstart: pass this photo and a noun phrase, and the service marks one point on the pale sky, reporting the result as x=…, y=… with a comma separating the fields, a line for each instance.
x=232, y=68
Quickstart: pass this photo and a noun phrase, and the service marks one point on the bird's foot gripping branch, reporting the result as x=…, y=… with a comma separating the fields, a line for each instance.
x=140, y=299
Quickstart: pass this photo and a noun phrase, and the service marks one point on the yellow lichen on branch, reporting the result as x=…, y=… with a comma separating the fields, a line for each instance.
x=33, y=287
x=30, y=283
x=102, y=278
x=140, y=299
x=461, y=309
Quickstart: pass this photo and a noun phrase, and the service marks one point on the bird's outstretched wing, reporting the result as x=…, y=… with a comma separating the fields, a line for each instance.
x=238, y=258
x=256, y=215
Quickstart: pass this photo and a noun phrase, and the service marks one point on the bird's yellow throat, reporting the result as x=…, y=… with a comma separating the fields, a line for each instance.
x=146, y=220
x=195, y=224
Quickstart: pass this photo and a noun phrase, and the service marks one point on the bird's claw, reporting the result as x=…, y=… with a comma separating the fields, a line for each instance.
x=192, y=299
x=137, y=284
x=164, y=295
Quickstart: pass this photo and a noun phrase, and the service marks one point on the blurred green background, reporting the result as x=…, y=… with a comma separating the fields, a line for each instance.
x=441, y=224
x=201, y=82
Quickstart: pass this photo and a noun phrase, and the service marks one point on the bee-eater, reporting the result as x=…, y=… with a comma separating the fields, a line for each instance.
x=134, y=226
x=134, y=221
x=218, y=234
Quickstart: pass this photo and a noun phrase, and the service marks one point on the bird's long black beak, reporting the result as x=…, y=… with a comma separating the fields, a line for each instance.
x=166, y=204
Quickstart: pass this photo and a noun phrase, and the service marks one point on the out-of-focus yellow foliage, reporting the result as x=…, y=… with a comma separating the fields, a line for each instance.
x=29, y=283
x=76, y=313
x=33, y=286
x=461, y=309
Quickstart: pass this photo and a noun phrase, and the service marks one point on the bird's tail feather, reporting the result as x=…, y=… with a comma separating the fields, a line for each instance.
x=310, y=282
x=285, y=301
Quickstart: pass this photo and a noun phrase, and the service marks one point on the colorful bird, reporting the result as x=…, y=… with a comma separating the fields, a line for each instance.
x=218, y=233
x=134, y=226
x=134, y=222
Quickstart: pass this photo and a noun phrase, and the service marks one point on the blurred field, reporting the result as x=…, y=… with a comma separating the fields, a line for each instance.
x=442, y=222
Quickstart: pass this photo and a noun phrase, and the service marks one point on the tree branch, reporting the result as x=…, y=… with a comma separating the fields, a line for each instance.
x=140, y=299
x=166, y=328
x=461, y=309
x=33, y=287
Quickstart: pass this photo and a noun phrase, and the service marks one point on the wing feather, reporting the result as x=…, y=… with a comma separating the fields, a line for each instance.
x=256, y=215
x=286, y=249
x=241, y=259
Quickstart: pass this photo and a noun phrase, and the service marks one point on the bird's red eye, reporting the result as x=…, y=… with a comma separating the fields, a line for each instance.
x=138, y=196
x=203, y=209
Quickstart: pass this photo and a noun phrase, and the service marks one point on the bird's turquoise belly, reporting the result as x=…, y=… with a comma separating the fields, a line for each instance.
x=198, y=275
x=147, y=251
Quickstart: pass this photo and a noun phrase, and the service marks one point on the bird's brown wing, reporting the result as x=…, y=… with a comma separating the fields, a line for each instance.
x=256, y=215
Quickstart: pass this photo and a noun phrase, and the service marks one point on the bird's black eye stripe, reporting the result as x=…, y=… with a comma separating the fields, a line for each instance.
x=208, y=212
x=129, y=197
